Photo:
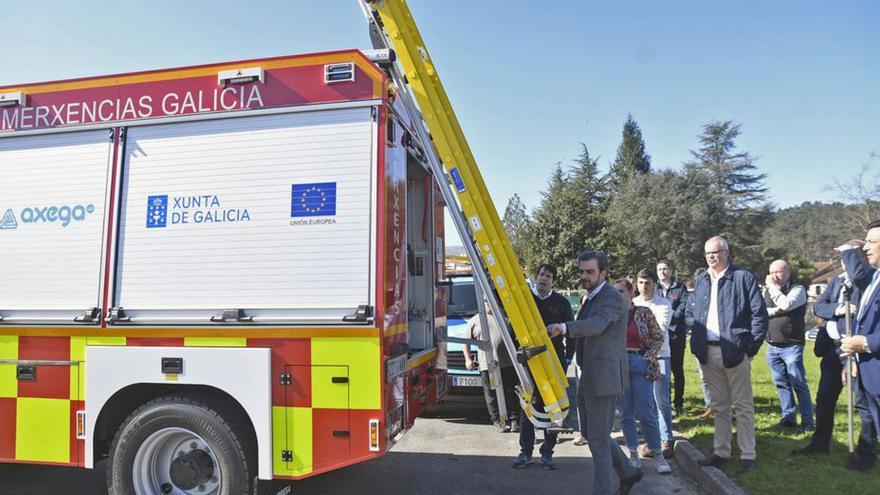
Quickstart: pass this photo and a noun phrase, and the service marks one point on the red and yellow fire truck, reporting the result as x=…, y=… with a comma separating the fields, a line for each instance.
x=228, y=261
x=230, y=272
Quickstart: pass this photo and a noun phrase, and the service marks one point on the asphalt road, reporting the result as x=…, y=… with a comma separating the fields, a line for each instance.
x=452, y=451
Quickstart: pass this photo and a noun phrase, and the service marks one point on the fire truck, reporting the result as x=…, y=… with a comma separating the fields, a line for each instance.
x=231, y=272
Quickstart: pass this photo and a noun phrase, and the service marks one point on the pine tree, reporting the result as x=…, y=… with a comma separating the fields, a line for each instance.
x=738, y=205
x=570, y=217
x=631, y=155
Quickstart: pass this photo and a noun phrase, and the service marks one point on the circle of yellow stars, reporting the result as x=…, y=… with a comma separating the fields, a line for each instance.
x=311, y=190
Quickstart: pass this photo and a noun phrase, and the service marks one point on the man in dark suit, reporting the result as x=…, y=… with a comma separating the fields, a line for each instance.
x=600, y=328
x=831, y=308
x=865, y=343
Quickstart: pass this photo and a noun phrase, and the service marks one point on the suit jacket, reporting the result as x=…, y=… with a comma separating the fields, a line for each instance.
x=868, y=321
x=825, y=307
x=600, y=330
x=742, y=316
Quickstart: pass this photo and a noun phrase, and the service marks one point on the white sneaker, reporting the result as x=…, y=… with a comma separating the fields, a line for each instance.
x=634, y=460
x=662, y=466
x=579, y=439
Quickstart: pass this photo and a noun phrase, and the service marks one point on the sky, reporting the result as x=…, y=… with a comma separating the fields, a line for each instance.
x=531, y=81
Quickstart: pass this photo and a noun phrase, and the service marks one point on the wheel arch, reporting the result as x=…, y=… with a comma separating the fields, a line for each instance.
x=239, y=378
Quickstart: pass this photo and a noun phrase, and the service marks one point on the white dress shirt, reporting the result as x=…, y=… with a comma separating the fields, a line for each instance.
x=713, y=326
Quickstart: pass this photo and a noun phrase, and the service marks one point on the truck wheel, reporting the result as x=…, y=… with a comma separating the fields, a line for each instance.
x=178, y=445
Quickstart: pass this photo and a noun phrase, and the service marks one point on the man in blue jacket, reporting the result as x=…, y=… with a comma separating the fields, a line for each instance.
x=865, y=343
x=729, y=323
x=831, y=308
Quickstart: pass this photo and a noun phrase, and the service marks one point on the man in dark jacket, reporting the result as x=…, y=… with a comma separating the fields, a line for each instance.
x=676, y=293
x=787, y=306
x=554, y=308
x=729, y=324
x=831, y=308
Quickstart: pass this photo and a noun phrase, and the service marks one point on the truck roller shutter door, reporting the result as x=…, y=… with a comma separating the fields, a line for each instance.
x=52, y=202
x=270, y=215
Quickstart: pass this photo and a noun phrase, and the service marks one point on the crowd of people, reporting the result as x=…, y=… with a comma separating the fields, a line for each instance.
x=628, y=343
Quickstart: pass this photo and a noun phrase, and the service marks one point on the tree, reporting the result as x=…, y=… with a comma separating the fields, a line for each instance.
x=518, y=225
x=812, y=229
x=863, y=190
x=738, y=207
x=631, y=155
x=655, y=216
x=570, y=217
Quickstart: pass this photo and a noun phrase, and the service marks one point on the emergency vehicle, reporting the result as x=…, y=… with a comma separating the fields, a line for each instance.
x=230, y=272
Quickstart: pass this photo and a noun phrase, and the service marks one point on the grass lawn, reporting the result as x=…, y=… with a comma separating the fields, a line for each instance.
x=776, y=471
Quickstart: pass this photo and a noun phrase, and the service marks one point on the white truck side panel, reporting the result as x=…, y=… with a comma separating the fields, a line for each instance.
x=243, y=373
x=52, y=203
x=270, y=214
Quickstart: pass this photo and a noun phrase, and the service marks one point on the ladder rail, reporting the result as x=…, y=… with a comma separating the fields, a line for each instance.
x=485, y=223
x=439, y=127
x=496, y=381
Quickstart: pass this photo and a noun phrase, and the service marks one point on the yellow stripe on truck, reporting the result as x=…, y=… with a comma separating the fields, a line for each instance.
x=215, y=342
x=8, y=381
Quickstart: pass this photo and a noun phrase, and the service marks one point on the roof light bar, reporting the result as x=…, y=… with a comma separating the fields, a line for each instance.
x=12, y=99
x=240, y=76
x=382, y=57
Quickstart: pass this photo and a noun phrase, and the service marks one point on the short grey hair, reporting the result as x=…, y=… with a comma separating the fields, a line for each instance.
x=722, y=240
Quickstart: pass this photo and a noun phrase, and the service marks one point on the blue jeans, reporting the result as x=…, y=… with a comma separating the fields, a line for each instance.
x=787, y=369
x=637, y=401
x=662, y=396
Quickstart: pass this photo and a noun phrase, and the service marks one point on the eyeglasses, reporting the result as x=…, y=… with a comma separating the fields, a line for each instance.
x=715, y=253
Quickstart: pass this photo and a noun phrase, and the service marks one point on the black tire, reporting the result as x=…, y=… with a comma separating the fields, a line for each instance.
x=221, y=430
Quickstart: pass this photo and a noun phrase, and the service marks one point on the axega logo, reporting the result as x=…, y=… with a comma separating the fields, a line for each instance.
x=313, y=204
x=64, y=214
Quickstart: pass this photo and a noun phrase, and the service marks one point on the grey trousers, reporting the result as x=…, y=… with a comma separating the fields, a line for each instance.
x=598, y=413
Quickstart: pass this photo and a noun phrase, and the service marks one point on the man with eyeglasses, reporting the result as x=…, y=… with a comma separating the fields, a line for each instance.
x=865, y=342
x=729, y=325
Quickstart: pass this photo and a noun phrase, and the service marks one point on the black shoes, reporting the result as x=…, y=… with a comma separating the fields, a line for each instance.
x=806, y=429
x=745, y=466
x=712, y=460
x=627, y=484
x=858, y=462
x=786, y=423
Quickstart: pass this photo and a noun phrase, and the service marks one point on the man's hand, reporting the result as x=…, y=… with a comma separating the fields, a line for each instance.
x=851, y=244
x=770, y=282
x=841, y=310
x=554, y=329
x=469, y=362
x=853, y=345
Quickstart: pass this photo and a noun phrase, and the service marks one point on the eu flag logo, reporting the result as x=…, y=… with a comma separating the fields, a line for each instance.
x=157, y=211
x=313, y=200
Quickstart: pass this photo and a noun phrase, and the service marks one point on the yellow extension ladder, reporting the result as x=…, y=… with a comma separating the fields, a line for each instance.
x=477, y=221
